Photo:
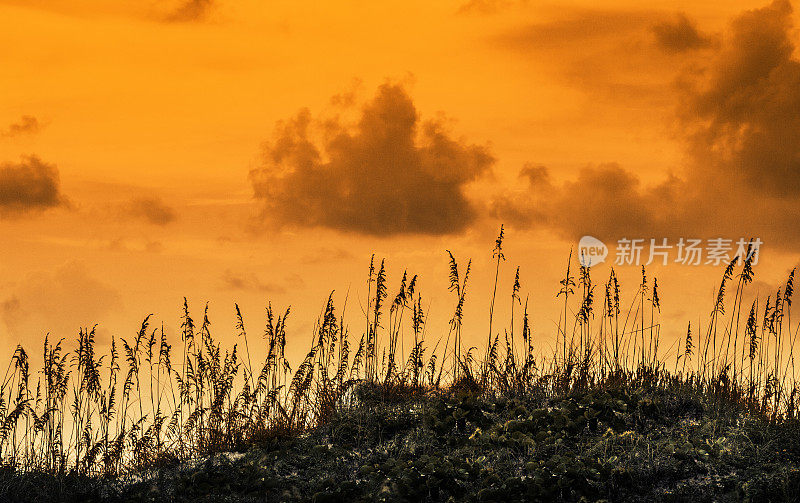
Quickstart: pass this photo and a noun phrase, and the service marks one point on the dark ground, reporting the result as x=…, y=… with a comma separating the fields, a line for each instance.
x=619, y=445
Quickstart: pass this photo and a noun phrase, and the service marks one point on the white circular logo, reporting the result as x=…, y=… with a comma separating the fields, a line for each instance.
x=591, y=251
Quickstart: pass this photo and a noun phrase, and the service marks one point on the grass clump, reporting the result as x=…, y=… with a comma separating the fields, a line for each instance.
x=396, y=416
x=627, y=442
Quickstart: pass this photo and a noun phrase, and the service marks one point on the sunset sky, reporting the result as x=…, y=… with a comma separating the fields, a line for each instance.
x=249, y=151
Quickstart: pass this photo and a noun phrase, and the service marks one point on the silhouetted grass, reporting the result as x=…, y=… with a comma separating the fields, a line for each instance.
x=156, y=402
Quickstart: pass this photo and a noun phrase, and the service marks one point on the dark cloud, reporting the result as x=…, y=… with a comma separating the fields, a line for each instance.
x=609, y=54
x=578, y=26
x=191, y=10
x=744, y=113
x=605, y=201
x=28, y=185
x=26, y=125
x=151, y=209
x=389, y=173
x=741, y=120
x=680, y=35
x=608, y=34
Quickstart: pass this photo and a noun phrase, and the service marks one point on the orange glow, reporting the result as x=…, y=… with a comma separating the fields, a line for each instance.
x=154, y=121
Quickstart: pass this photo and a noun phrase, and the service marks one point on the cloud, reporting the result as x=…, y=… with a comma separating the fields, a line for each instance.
x=154, y=247
x=151, y=209
x=10, y=308
x=679, y=35
x=611, y=54
x=488, y=6
x=576, y=26
x=388, y=173
x=29, y=185
x=744, y=112
x=741, y=117
x=325, y=255
x=26, y=125
x=48, y=302
x=605, y=201
x=232, y=280
x=191, y=10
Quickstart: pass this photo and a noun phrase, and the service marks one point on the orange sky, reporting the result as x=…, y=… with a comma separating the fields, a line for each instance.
x=153, y=115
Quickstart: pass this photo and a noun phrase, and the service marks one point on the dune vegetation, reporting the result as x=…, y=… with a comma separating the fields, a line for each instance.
x=395, y=410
